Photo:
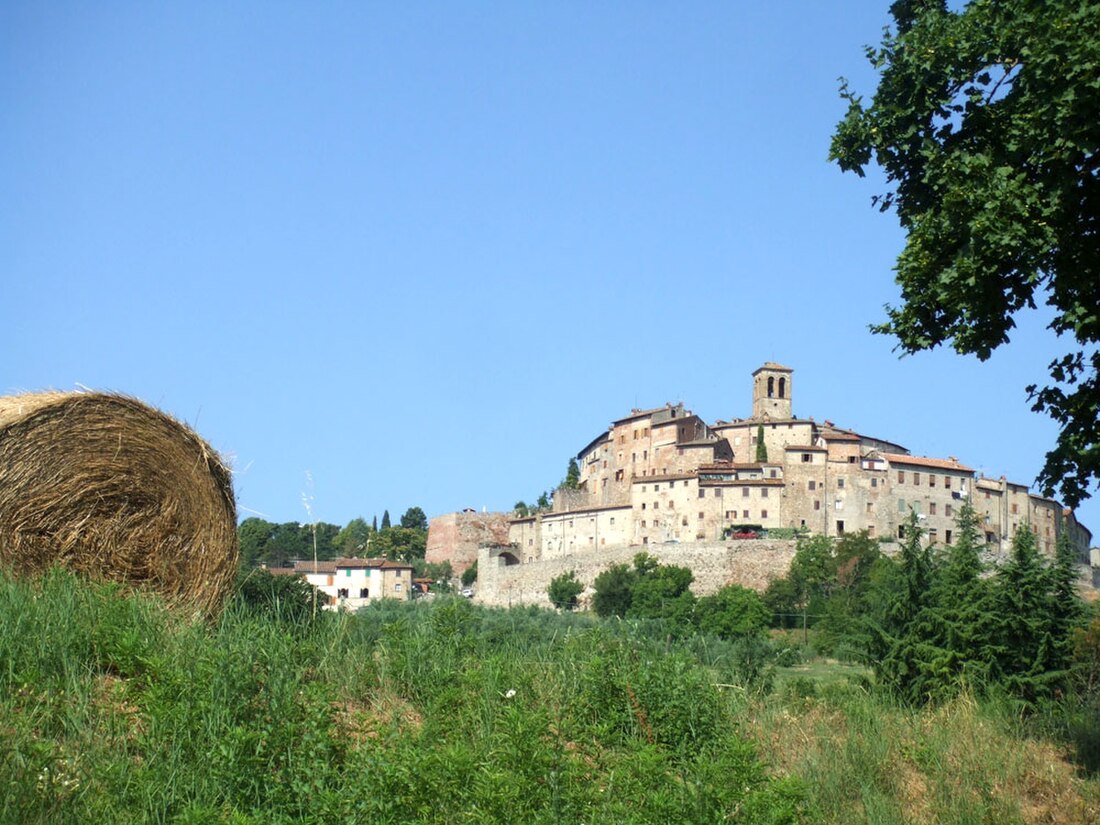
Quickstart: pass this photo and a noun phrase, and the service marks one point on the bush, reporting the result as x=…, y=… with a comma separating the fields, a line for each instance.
x=564, y=590
x=288, y=598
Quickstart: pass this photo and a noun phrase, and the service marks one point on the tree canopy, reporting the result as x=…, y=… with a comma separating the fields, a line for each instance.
x=985, y=125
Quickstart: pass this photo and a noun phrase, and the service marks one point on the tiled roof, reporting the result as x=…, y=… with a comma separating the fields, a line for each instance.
x=924, y=461
x=771, y=365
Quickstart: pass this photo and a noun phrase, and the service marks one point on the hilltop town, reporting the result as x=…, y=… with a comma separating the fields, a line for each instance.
x=663, y=476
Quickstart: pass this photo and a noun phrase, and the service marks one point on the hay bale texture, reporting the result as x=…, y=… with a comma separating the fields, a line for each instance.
x=114, y=489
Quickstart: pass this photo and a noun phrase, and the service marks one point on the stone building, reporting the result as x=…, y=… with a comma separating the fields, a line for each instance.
x=664, y=476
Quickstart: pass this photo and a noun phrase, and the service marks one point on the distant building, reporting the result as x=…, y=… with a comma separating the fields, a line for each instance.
x=353, y=583
x=663, y=475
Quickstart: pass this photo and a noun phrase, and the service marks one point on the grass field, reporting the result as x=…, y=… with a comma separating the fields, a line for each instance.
x=114, y=710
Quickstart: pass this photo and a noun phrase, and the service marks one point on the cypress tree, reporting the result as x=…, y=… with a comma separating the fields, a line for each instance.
x=385, y=519
x=761, y=447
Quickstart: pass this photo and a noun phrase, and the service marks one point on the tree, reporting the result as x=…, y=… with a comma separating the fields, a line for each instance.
x=352, y=539
x=374, y=524
x=985, y=124
x=253, y=535
x=572, y=476
x=289, y=598
x=414, y=519
x=613, y=591
x=731, y=613
x=761, y=447
x=521, y=509
x=385, y=519
x=564, y=590
x=469, y=575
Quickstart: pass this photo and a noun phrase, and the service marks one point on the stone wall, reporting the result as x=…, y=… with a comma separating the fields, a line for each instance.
x=456, y=537
x=751, y=563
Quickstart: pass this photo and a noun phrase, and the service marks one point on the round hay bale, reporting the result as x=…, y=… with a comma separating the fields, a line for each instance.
x=109, y=487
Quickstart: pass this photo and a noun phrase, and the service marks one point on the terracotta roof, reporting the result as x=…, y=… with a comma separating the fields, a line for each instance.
x=804, y=448
x=740, y=482
x=924, y=461
x=771, y=365
x=321, y=567
x=839, y=435
x=585, y=511
x=363, y=564
x=660, y=478
x=645, y=413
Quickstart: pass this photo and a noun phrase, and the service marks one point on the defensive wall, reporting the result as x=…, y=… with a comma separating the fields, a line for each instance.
x=750, y=563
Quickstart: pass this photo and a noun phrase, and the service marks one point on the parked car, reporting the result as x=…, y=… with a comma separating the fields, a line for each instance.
x=467, y=592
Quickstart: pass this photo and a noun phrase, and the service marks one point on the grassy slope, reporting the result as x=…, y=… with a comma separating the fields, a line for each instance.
x=112, y=710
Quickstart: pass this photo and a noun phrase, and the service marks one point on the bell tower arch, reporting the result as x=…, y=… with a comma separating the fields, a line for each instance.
x=771, y=392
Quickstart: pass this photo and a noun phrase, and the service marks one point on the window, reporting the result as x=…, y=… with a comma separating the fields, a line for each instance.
x=700, y=514
x=870, y=508
x=948, y=511
x=870, y=531
x=839, y=527
x=947, y=536
x=745, y=514
x=684, y=521
x=347, y=573
x=947, y=485
x=364, y=593
x=874, y=482
x=1015, y=508
x=763, y=514
x=643, y=522
x=812, y=484
x=773, y=473
x=916, y=478
x=672, y=505
x=612, y=520
x=643, y=488
x=633, y=456
x=838, y=504
x=901, y=531
x=806, y=458
x=342, y=593
x=643, y=505
x=764, y=493
x=840, y=483
x=852, y=459
x=931, y=480
x=656, y=505
x=744, y=492
x=901, y=476
x=717, y=492
x=645, y=539
x=729, y=514
x=901, y=505
x=817, y=504
x=702, y=492
x=931, y=508
x=931, y=535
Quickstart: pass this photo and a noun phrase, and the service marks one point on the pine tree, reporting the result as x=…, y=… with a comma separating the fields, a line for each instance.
x=900, y=634
x=1026, y=660
x=1067, y=609
x=958, y=621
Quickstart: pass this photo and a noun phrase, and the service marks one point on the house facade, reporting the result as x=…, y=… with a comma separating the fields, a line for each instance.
x=352, y=583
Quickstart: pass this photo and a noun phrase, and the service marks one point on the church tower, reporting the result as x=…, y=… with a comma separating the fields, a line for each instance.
x=771, y=392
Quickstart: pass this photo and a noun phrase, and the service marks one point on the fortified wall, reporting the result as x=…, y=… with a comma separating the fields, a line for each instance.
x=456, y=537
x=502, y=582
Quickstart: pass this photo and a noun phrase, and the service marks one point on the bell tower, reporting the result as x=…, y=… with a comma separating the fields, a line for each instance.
x=771, y=392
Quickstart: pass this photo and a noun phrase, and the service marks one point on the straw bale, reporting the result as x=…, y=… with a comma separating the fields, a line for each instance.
x=114, y=489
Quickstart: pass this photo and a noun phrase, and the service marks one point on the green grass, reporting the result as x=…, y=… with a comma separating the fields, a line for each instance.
x=115, y=710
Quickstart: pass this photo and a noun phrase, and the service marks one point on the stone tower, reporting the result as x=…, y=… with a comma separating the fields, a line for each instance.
x=771, y=392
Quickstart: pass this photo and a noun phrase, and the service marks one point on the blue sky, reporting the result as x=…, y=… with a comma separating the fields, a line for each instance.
x=426, y=252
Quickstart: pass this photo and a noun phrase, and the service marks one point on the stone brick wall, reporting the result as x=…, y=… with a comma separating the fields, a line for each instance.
x=751, y=563
x=456, y=537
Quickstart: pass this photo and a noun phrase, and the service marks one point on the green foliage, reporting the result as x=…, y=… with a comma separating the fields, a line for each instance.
x=414, y=519
x=731, y=613
x=572, y=476
x=521, y=509
x=564, y=590
x=386, y=520
x=761, y=447
x=469, y=575
x=440, y=712
x=984, y=122
x=613, y=590
x=285, y=597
